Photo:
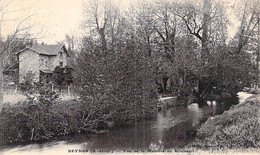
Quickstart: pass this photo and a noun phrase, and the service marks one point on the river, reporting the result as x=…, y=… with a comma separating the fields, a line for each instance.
x=168, y=129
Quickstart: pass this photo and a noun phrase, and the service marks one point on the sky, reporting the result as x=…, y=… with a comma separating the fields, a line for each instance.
x=52, y=19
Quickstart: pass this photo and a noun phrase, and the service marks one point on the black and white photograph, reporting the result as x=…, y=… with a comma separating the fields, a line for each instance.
x=129, y=77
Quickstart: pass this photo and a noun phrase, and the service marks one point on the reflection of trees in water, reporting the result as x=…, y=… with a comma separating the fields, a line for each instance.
x=216, y=107
x=212, y=105
x=172, y=126
x=165, y=122
x=220, y=107
x=195, y=113
x=156, y=147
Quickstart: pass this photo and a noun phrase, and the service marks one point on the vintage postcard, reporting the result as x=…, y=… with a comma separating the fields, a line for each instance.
x=129, y=77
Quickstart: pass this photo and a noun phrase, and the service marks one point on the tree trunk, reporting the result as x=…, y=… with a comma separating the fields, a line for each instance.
x=204, y=51
x=241, y=31
x=202, y=91
x=101, y=32
x=1, y=81
x=257, y=56
x=206, y=22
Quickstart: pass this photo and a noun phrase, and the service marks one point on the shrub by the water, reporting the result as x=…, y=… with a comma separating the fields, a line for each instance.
x=32, y=122
x=41, y=117
x=234, y=129
x=116, y=88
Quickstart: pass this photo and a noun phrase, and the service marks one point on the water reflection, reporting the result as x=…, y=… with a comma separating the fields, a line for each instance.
x=164, y=121
x=195, y=113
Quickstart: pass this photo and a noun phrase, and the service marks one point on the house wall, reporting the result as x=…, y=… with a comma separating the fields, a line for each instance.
x=33, y=62
x=28, y=62
x=55, y=60
x=44, y=62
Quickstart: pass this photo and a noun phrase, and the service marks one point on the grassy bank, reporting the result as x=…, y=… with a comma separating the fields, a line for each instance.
x=238, y=128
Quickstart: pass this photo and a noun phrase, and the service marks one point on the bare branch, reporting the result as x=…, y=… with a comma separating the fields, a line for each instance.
x=160, y=34
x=189, y=28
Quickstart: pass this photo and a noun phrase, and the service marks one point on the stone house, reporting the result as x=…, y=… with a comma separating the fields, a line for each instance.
x=41, y=60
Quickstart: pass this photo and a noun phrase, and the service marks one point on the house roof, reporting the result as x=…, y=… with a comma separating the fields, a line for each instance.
x=50, y=50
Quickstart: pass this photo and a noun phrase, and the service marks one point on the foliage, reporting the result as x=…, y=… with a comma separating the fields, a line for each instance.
x=62, y=75
x=123, y=56
x=27, y=84
x=25, y=121
x=116, y=87
x=36, y=92
x=46, y=95
x=227, y=69
x=237, y=128
x=68, y=78
x=58, y=75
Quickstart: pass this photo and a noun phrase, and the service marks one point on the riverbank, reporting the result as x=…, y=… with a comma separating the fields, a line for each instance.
x=25, y=123
x=21, y=124
x=238, y=128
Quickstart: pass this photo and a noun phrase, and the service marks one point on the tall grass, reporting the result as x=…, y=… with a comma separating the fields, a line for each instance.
x=13, y=97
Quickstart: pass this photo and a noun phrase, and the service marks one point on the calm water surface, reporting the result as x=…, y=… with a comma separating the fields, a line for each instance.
x=167, y=129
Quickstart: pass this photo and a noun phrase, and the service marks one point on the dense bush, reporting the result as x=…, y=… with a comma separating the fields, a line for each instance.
x=237, y=128
x=37, y=91
x=227, y=69
x=28, y=82
x=117, y=88
x=29, y=122
x=41, y=117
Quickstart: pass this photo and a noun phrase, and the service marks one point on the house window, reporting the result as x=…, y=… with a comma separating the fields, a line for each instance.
x=61, y=56
x=61, y=64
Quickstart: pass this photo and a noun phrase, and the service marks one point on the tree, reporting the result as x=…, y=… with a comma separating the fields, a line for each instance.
x=249, y=22
x=258, y=53
x=58, y=76
x=115, y=83
x=7, y=46
x=99, y=14
x=70, y=39
x=114, y=90
x=199, y=20
x=246, y=38
x=68, y=78
x=28, y=84
x=182, y=40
